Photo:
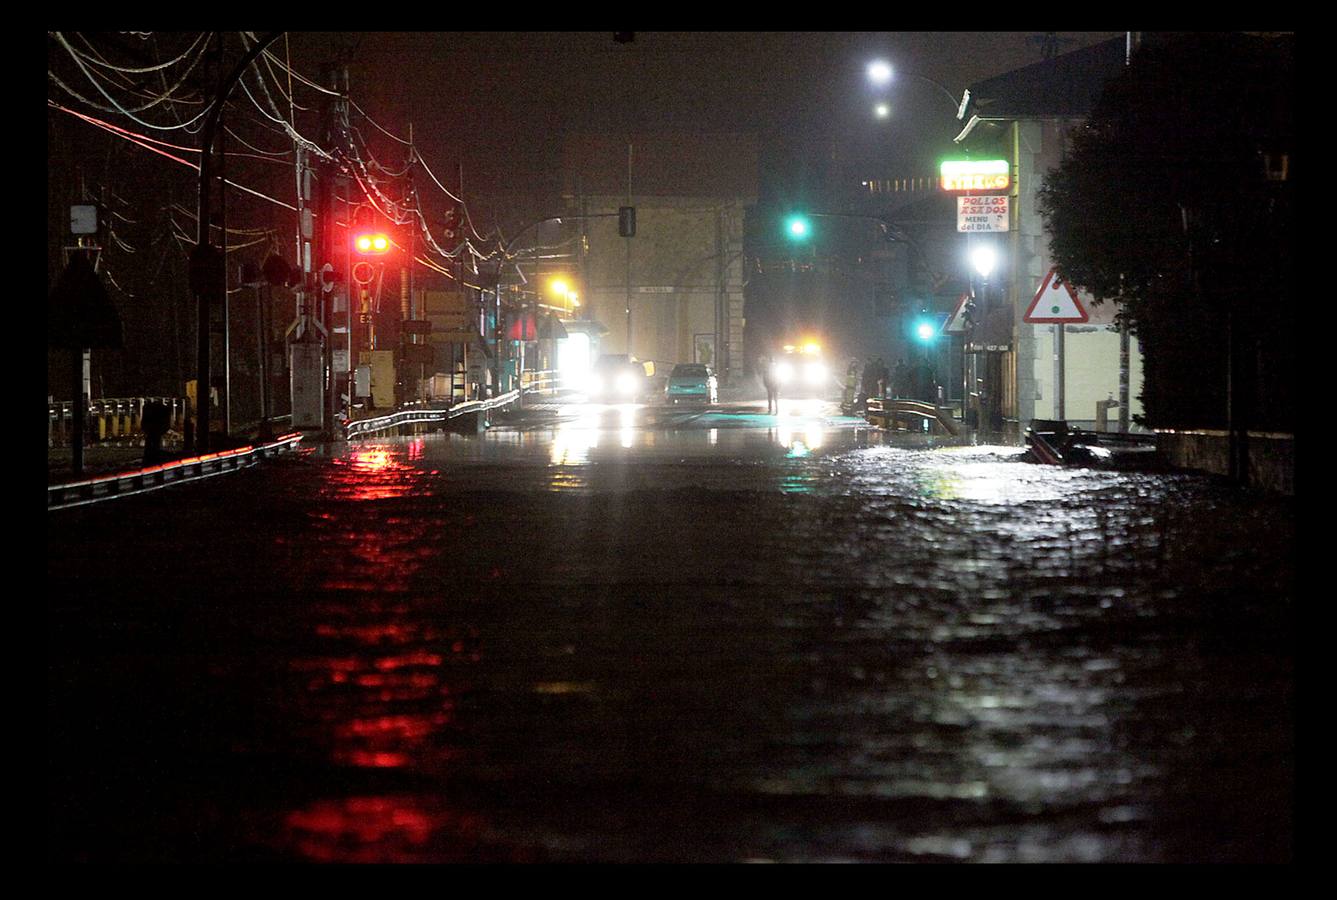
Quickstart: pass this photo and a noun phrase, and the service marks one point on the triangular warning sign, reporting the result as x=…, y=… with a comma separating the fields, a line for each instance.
x=1055, y=302
x=956, y=322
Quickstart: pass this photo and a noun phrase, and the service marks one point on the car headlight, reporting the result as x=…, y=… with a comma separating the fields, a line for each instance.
x=626, y=383
x=814, y=373
x=782, y=371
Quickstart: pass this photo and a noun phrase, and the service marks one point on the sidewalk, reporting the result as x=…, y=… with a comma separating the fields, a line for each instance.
x=99, y=459
x=126, y=455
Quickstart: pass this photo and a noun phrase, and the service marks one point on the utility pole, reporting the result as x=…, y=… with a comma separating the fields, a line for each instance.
x=318, y=248
x=628, y=240
x=208, y=270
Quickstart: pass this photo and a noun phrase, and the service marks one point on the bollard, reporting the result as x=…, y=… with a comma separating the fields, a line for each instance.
x=1103, y=413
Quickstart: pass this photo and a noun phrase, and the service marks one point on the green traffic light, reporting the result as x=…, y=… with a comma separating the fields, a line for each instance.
x=797, y=227
x=924, y=329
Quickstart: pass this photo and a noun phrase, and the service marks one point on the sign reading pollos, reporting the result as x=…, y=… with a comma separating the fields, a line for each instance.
x=987, y=213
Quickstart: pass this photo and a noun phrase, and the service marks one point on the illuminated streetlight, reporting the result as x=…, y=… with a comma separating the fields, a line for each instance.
x=880, y=75
x=983, y=259
x=882, y=110
x=879, y=72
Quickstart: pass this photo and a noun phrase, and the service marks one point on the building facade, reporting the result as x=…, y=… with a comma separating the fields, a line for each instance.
x=673, y=291
x=1084, y=372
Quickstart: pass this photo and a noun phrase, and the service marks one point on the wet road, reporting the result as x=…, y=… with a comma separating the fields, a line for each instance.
x=642, y=635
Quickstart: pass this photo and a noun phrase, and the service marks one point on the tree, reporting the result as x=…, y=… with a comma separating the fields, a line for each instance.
x=1175, y=203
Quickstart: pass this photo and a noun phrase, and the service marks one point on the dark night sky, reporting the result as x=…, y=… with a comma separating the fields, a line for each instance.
x=500, y=102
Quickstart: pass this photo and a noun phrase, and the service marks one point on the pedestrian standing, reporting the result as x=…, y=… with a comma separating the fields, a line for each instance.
x=772, y=386
x=882, y=375
x=851, y=392
x=899, y=377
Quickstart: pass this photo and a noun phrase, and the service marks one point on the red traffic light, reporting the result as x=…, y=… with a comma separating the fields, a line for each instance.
x=371, y=242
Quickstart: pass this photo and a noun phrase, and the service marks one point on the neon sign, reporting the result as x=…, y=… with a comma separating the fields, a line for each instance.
x=975, y=175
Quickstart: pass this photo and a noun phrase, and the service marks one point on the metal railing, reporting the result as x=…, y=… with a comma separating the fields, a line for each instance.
x=148, y=478
x=896, y=413
x=424, y=415
x=109, y=419
x=543, y=382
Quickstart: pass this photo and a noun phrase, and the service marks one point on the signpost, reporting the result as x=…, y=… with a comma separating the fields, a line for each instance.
x=956, y=321
x=81, y=316
x=1056, y=303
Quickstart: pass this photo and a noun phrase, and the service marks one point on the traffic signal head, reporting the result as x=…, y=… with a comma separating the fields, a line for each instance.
x=925, y=328
x=797, y=227
x=371, y=242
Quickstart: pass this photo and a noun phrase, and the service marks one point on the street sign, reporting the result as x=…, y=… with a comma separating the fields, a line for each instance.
x=956, y=322
x=80, y=314
x=988, y=213
x=1056, y=302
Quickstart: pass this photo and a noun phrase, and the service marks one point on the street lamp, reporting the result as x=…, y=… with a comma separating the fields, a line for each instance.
x=881, y=74
x=983, y=258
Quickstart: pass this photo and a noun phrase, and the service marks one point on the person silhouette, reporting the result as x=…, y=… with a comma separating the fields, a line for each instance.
x=772, y=385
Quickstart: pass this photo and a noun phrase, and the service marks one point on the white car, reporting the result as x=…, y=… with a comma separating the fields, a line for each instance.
x=616, y=378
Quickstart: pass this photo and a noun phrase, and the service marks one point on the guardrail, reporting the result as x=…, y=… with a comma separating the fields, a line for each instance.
x=109, y=419
x=544, y=382
x=137, y=481
x=362, y=427
x=890, y=413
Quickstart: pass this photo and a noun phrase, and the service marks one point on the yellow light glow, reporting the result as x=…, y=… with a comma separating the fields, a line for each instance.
x=559, y=287
x=975, y=175
x=812, y=347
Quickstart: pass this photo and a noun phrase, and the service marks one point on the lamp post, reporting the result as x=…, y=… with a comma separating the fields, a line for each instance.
x=881, y=74
x=983, y=258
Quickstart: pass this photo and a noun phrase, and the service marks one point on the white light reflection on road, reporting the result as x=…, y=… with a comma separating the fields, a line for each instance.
x=800, y=426
x=627, y=419
x=575, y=438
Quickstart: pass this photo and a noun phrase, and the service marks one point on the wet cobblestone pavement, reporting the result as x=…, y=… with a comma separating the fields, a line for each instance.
x=715, y=637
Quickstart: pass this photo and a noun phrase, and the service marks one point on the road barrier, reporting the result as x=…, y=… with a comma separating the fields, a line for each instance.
x=148, y=478
x=899, y=414
x=542, y=382
x=423, y=415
